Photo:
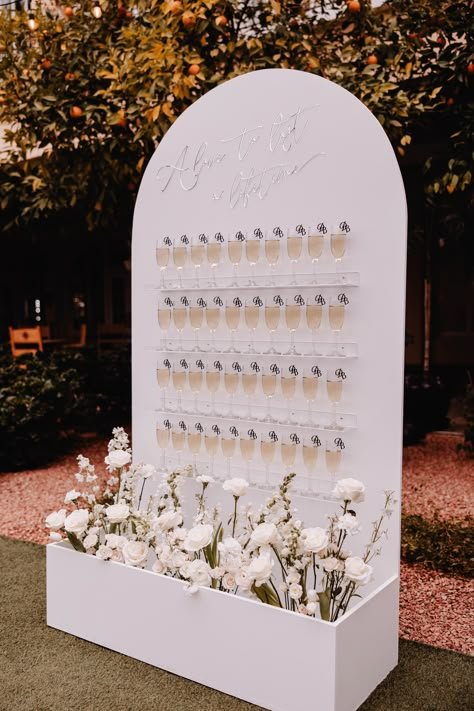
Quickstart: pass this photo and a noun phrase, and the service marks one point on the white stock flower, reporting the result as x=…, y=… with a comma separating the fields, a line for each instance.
x=169, y=520
x=292, y=576
x=295, y=591
x=117, y=458
x=228, y=581
x=230, y=546
x=348, y=523
x=199, y=573
x=332, y=564
x=205, y=479
x=187, y=470
x=71, y=496
x=117, y=513
x=135, y=552
x=264, y=534
x=178, y=559
x=315, y=540
x=236, y=486
x=104, y=553
x=198, y=537
x=260, y=569
x=54, y=537
x=56, y=519
x=114, y=541
x=77, y=521
x=357, y=571
x=90, y=541
x=349, y=490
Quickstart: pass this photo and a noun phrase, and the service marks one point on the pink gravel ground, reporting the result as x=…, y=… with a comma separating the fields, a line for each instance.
x=435, y=609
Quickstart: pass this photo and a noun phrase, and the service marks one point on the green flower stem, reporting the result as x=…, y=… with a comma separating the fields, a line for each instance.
x=236, y=498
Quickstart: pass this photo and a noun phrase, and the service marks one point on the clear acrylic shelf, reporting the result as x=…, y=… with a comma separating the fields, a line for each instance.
x=257, y=348
x=192, y=283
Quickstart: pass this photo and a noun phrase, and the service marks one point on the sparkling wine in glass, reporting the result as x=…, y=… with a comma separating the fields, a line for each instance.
x=252, y=251
x=269, y=383
x=195, y=379
x=178, y=438
x=272, y=317
x=334, y=450
x=249, y=383
x=198, y=254
x=337, y=312
x=214, y=252
x=252, y=317
x=213, y=316
x=289, y=447
x=268, y=445
x=247, y=448
x=163, y=247
x=316, y=245
x=310, y=388
x=163, y=371
x=196, y=317
x=293, y=309
x=339, y=243
x=232, y=319
x=195, y=442
x=234, y=250
x=294, y=246
x=211, y=442
x=180, y=310
x=229, y=445
x=180, y=254
x=272, y=250
x=314, y=313
x=163, y=438
x=178, y=377
x=288, y=382
x=213, y=382
x=310, y=456
x=231, y=382
x=334, y=389
x=165, y=307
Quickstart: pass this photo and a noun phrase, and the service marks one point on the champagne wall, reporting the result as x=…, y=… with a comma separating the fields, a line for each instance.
x=268, y=291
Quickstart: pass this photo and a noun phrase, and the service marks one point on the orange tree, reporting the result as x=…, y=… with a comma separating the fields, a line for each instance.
x=87, y=100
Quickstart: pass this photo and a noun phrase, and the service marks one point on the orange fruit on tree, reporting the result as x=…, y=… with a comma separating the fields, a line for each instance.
x=194, y=69
x=68, y=11
x=176, y=7
x=189, y=20
x=353, y=6
x=69, y=76
x=45, y=64
x=75, y=112
x=221, y=21
x=372, y=59
x=470, y=68
x=450, y=101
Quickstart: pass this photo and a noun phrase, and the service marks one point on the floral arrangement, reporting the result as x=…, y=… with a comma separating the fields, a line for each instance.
x=267, y=554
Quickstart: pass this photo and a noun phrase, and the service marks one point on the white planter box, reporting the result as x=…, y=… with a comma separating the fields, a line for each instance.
x=276, y=659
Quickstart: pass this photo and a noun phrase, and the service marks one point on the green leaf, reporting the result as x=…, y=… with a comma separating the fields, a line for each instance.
x=75, y=542
x=324, y=603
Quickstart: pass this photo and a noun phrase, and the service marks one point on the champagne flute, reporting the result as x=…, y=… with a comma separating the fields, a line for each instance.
x=162, y=253
x=195, y=441
x=334, y=390
x=198, y=253
x=268, y=445
x=316, y=245
x=179, y=317
x=334, y=455
x=234, y=251
x=165, y=307
x=195, y=378
x=339, y=243
x=269, y=383
x=310, y=456
x=314, y=313
x=232, y=318
x=272, y=317
x=272, y=250
x=178, y=437
x=247, y=448
x=163, y=438
x=310, y=388
x=252, y=252
x=180, y=253
x=294, y=245
x=289, y=446
x=163, y=377
x=214, y=249
x=252, y=316
x=337, y=311
x=249, y=383
x=228, y=445
x=231, y=382
x=288, y=387
x=196, y=316
x=178, y=377
x=292, y=318
x=213, y=382
x=211, y=442
x=213, y=316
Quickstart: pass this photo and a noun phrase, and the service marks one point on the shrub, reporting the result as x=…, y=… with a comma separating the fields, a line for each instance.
x=468, y=444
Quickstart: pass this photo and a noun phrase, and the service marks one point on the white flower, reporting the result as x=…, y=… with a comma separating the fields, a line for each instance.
x=230, y=546
x=205, y=479
x=117, y=513
x=292, y=576
x=178, y=559
x=117, y=555
x=312, y=595
x=295, y=591
x=199, y=572
x=349, y=490
x=158, y=567
x=147, y=470
x=114, y=541
x=348, y=523
x=228, y=581
x=135, y=552
x=260, y=569
x=315, y=540
x=54, y=537
x=198, y=537
x=90, y=541
x=237, y=487
x=311, y=607
x=56, y=519
x=187, y=470
x=169, y=520
x=71, y=496
x=243, y=579
x=264, y=534
x=331, y=564
x=117, y=459
x=357, y=571
x=77, y=521
x=104, y=553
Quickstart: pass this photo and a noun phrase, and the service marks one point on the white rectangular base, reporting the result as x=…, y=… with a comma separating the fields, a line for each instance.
x=276, y=659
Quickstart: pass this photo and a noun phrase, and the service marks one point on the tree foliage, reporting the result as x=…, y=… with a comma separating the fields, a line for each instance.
x=93, y=97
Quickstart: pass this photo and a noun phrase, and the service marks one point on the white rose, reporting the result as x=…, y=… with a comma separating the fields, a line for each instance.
x=348, y=523
x=71, y=496
x=178, y=559
x=199, y=572
x=295, y=591
x=357, y=571
x=135, y=552
x=198, y=537
x=349, y=490
x=117, y=513
x=117, y=555
x=55, y=537
x=56, y=519
x=228, y=581
x=77, y=521
x=237, y=487
x=311, y=607
x=114, y=541
x=315, y=540
x=331, y=564
x=169, y=520
x=243, y=579
x=104, y=553
x=264, y=534
x=230, y=546
x=205, y=479
x=117, y=459
x=260, y=569
x=292, y=576
x=90, y=541
x=147, y=470
x=158, y=567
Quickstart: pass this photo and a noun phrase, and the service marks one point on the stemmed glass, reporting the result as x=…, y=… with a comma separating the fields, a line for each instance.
x=294, y=245
x=179, y=378
x=288, y=387
x=334, y=455
x=194, y=442
x=252, y=316
x=231, y=382
x=163, y=438
x=292, y=318
x=310, y=388
x=334, y=390
x=179, y=317
x=252, y=252
x=211, y=442
x=310, y=455
x=316, y=245
x=234, y=250
x=314, y=313
x=228, y=445
x=195, y=378
x=339, y=243
x=249, y=383
x=272, y=317
x=214, y=249
x=180, y=249
x=337, y=311
x=247, y=448
x=178, y=436
x=268, y=446
x=162, y=253
x=213, y=382
x=232, y=318
x=269, y=383
x=164, y=313
x=163, y=377
x=272, y=250
x=196, y=316
x=213, y=316
x=289, y=445
x=198, y=249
